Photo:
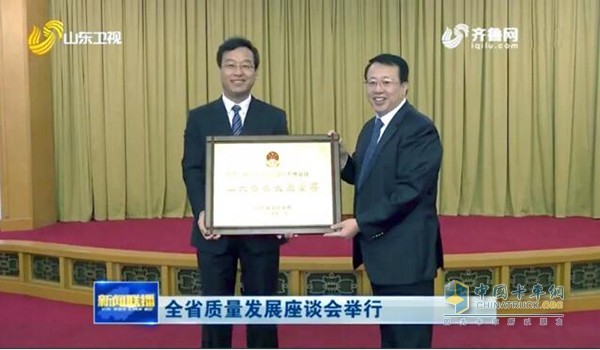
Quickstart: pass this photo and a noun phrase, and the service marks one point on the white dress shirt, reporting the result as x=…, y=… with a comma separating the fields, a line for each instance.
x=244, y=105
x=387, y=118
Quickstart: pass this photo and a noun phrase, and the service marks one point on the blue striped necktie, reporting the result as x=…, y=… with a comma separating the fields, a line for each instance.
x=366, y=164
x=236, y=123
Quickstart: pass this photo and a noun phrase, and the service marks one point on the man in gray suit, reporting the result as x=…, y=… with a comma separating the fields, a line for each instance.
x=236, y=112
x=395, y=169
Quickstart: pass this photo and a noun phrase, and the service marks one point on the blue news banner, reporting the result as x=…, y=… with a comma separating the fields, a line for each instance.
x=139, y=303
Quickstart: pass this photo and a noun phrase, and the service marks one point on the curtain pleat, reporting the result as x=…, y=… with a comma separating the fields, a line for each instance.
x=519, y=126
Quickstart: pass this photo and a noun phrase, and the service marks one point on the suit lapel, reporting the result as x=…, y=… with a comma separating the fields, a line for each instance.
x=221, y=119
x=392, y=128
x=390, y=132
x=252, y=122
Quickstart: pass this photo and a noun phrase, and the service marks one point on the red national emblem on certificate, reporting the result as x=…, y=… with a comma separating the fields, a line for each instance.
x=272, y=159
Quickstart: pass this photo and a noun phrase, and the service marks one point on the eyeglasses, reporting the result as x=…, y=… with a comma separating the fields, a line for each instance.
x=372, y=84
x=232, y=67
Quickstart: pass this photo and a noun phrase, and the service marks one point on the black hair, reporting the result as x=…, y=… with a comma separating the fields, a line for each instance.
x=390, y=60
x=234, y=43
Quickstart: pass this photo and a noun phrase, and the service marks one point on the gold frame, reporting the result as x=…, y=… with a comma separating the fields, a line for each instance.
x=334, y=170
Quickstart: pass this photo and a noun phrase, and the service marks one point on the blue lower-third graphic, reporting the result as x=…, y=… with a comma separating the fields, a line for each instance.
x=125, y=302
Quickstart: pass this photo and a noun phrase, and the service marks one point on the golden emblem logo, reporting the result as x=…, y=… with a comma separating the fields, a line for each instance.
x=272, y=159
x=53, y=30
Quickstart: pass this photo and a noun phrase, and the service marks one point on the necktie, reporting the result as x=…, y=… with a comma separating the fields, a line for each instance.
x=236, y=124
x=366, y=164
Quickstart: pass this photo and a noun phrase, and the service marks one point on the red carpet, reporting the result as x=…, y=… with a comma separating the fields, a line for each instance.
x=41, y=323
x=38, y=323
x=459, y=234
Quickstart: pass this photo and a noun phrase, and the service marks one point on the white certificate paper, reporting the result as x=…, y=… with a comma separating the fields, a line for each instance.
x=286, y=185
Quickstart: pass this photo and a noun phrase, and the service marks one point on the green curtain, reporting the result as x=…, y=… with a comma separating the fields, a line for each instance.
x=520, y=127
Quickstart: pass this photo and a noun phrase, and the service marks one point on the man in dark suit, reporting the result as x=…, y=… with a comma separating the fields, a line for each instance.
x=395, y=170
x=235, y=113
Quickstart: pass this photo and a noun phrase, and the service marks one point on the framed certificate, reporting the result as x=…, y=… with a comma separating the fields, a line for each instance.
x=272, y=184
